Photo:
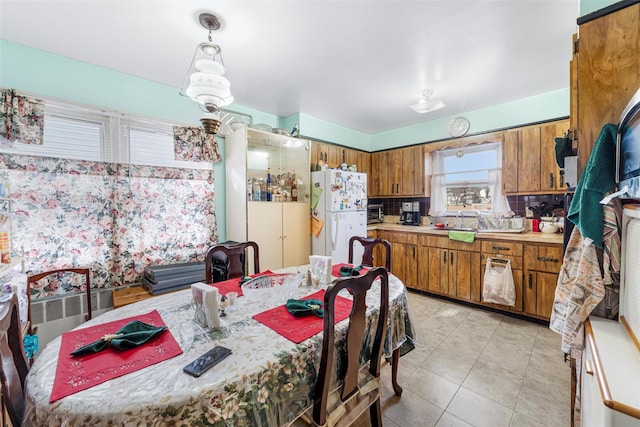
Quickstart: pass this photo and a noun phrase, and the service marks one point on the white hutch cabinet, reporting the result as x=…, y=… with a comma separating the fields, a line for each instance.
x=280, y=227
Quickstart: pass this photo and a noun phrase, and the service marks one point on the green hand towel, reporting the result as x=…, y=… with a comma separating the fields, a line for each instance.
x=346, y=271
x=305, y=307
x=462, y=236
x=129, y=336
x=597, y=179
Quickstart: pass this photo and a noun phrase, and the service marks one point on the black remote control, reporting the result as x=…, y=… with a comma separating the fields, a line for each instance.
x=208, y=360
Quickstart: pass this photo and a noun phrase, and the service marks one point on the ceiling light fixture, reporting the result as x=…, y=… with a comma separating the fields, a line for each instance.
x=206, y=82
x=428, y=104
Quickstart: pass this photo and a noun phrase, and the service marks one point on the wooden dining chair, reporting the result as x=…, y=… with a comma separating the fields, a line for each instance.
x=86, y=272
x=360, y=389
x=235, y=254
x=369, y=244
x=13, y=363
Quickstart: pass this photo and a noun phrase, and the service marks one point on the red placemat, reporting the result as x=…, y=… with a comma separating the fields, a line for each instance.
x=233, y=285
x=74, y=374
x=335, y=270
x=298, y=329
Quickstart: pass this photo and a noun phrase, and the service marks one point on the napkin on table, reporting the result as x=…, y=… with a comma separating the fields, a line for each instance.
x=131, y=335
x=306, y=307
x=347, y=271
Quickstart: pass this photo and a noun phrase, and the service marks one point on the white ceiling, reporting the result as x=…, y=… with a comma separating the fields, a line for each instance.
x=359, y=64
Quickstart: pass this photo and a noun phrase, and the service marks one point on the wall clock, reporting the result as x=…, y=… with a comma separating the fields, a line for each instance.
x=459, y=126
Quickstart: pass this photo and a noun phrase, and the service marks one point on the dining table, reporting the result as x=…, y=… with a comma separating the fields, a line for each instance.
x=268, y=380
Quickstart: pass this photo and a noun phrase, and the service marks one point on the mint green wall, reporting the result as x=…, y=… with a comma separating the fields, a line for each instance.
x=588, y=6
x=550, y=105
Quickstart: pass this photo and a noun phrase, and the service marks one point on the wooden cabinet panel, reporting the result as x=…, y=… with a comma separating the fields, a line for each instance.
x=464, y=275
x=529, y=159
x=543, y=258
x=550, y=178
x=510, y=161
x=438, y=280
x=398, y=172
x=501, y=247
x=608, y=73
x=539, y=292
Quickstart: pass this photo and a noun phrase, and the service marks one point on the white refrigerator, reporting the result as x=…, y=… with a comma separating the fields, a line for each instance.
x=342, y=206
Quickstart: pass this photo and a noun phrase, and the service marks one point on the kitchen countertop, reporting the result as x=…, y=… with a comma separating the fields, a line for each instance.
x=524, y=237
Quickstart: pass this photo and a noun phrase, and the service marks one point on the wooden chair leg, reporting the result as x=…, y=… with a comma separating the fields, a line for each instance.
x=375, y=414
x=395, y=359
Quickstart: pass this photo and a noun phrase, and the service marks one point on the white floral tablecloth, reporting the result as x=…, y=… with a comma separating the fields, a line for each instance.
x=267, y=381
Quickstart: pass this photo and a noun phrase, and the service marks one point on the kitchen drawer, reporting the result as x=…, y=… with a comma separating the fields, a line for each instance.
x=399, y=237
x=464, y=246
x=516, y=261
x=543, y=258
x=501, y=247
x=434, y=241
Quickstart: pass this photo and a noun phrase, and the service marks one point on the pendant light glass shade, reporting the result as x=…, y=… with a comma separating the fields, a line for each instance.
x=427, y=103
x=206, y=81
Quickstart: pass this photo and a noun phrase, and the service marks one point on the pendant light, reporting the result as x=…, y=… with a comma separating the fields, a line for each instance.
x=206, y=82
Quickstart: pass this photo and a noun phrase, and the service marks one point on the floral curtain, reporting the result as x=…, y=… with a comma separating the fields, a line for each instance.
x=114, y=218
x=21, y=118
x=193, y=144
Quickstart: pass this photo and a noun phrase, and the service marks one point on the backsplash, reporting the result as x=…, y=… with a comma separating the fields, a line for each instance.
x=393, y=206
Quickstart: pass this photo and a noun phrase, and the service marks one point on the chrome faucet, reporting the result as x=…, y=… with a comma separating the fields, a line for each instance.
x=460, y=215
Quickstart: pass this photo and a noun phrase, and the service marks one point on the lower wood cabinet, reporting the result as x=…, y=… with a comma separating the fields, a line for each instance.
x=437, y=265
x=542, y=266
x=449, y=267
x=404, y=256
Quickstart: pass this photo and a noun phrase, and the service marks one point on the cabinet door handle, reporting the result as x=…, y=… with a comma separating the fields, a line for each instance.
x=451, y=258
x=530, y=281
x=501, y=248
x=397, y=188
x=391, y=188
x=588, y=367
x=414, y=252
x=445, y=257
x=551, y=180
x=547, y=259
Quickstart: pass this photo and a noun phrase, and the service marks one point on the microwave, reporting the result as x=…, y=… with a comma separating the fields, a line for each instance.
x=375, y=214
x=628, y=149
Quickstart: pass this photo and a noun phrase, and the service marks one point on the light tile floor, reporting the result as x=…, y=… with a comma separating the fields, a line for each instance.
x=476, y=368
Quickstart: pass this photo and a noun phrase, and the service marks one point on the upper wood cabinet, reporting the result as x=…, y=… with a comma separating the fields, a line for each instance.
x=607, y=69
x=398, y=172
x=334, y=155
x=528, y=159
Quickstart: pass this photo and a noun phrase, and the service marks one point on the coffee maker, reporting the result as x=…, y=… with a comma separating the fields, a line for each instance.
x=410, y=213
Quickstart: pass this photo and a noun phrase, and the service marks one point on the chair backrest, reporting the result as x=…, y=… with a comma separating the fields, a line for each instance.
x=235, y=256
x=86, y=272
x=369, y=244
x=13, y=363
x=358, y=287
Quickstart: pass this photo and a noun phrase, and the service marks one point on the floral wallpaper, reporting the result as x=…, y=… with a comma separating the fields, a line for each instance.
x=111, y=217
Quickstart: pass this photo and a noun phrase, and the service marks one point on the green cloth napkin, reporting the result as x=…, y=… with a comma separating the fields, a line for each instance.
x=305, y=307
x=131, y=335
x=462, y=236
x=346, y=271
